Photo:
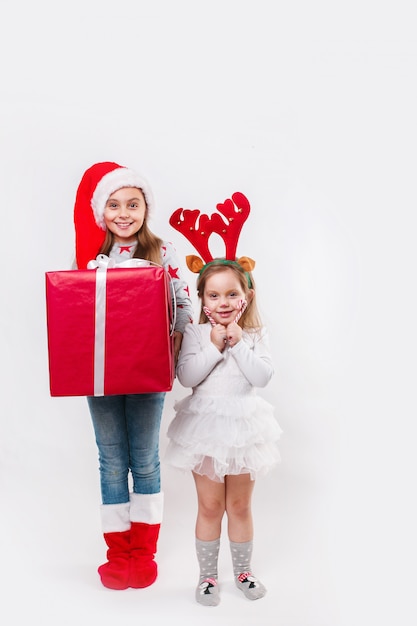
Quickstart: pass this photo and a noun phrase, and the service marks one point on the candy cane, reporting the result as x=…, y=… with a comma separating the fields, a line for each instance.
x=242, y=306
x=208, y=313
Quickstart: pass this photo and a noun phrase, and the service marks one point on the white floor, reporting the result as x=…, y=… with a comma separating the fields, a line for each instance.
x=335, y=539
x=51, y=541
x=51, y=574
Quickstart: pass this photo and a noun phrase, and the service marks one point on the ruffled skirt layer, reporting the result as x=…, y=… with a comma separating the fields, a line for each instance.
x=216, y=436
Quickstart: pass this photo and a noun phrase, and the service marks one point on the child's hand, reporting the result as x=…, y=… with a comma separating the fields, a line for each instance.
x=218, y=336
x=233, y=334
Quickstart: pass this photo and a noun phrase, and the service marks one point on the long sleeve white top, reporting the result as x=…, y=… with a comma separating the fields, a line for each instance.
x=199, y=356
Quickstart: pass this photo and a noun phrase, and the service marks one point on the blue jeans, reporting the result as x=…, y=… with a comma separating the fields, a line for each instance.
x=127, y=436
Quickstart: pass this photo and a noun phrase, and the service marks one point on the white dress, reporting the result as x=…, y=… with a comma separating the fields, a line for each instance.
x=224, y=426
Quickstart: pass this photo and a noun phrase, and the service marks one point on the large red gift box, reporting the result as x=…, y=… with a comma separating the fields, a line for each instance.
x=109, y=331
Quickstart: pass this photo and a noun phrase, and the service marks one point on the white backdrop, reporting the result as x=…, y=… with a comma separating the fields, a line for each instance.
x=309, y=108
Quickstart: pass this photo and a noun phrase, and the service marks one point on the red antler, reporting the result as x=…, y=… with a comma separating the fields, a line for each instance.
x=236, y=214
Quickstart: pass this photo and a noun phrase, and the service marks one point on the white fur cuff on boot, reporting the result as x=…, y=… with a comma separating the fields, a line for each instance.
x=146, y=507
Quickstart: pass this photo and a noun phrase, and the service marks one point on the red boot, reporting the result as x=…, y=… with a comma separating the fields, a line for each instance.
x=146, y=517
x=115, y=573
x=143, y=568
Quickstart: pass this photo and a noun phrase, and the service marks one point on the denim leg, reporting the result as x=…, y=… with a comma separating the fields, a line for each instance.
x=143, y=417
x=109, y=422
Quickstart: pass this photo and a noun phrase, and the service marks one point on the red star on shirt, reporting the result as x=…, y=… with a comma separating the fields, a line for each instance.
x=173, y=271
x=124, y=249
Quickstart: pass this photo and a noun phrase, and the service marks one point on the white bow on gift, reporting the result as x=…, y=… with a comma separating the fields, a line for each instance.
x=102, y=263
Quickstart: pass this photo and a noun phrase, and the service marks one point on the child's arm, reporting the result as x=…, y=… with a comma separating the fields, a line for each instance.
x=255, y=361
x=184, y=312
x=196, y=361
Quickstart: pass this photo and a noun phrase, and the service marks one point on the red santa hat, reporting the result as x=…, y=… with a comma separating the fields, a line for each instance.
x=97, y=184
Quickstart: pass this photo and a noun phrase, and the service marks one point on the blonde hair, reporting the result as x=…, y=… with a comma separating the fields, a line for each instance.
x=250, y=319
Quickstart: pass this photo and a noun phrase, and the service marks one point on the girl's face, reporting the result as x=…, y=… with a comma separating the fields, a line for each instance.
x=124, y=213
x=223, y=295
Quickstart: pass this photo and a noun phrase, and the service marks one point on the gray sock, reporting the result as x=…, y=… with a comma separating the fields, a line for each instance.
x=244, y=579
x=207, y=592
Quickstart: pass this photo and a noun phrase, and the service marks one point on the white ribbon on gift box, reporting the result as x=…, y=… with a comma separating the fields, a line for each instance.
x=102, y=263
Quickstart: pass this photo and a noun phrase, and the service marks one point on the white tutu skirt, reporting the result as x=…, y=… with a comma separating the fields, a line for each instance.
x=219, y=436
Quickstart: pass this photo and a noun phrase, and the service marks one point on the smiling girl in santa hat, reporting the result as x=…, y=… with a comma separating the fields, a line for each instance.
x=112, y=208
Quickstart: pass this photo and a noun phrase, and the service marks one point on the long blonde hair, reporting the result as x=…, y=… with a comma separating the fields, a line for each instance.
x=250, y=319
x=148, y=246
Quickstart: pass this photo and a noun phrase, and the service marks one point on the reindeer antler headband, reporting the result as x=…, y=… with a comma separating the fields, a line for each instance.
x=236, y=212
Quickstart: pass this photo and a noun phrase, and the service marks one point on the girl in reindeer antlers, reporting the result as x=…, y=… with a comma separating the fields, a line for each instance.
x=223, y=432
x=112, y=208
